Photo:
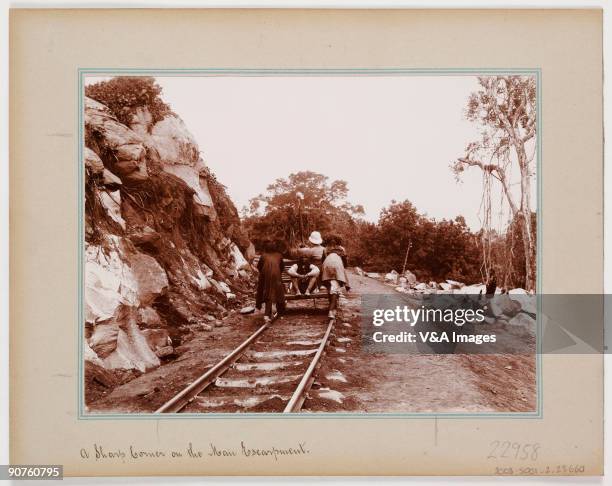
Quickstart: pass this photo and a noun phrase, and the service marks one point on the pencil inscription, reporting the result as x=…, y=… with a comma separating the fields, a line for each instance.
x=132, y=453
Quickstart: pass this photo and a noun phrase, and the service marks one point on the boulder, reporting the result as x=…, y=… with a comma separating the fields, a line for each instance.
x=226, y=289
x=144, y=236
x=522, y=325
x=217, y=286
x=110, y=180
x=238, y=260
x=201, y=281
x=157, y=339
x=411, y=277
x=445, y=286
x=93, y=163
x=125, y=169
x=472, y=289
x=132, y=350
x=503, y=305
x=126, y=144
x=119, y=277
x=181, y=308
x=130, y=151
x=527, y=302
x=191, y=177
x=178, y=153
x=359, y=271
x=174, y=142
x=109, y=282
x=507, y=306
x=421, y=286
x=90, y=356
x=392, y=277
x=150, y=277
x=103, y=340
x=111, y=202
x=455, y=284
x=148, y=318
x=373, y=275
x=165, y=351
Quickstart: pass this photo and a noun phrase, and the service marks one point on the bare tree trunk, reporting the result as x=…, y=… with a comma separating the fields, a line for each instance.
x=528, y=240
x=529, y=270
x=510, y=117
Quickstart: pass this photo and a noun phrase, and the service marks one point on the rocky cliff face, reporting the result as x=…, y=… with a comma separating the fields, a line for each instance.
x=165, y=251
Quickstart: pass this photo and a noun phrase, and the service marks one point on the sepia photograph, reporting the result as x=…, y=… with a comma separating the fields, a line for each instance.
x=326, y=241
x=272, y=242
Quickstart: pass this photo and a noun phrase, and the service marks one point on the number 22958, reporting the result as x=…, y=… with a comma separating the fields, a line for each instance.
x=513, y=450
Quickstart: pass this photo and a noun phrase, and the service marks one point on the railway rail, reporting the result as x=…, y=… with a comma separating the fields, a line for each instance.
x=272, y=370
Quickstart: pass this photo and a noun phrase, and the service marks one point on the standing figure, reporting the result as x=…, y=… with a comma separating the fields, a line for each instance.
x=270, y=289
x=303, y=276
x=491, y=286
x=334, y=275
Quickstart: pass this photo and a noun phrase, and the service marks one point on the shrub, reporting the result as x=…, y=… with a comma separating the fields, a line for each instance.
x=124, y=94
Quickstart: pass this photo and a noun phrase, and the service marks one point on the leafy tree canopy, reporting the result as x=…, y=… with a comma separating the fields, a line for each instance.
x=124, y=94
x=294, y=206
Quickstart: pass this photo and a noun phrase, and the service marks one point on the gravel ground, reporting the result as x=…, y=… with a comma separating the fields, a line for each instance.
x=419, y=382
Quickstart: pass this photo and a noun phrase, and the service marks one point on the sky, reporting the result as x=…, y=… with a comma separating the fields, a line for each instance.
x=390, y=138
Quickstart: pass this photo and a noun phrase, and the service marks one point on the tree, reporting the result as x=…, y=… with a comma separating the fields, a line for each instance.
x=506, y=108
x=438, y=249
x=399, y=226
x=515, y=257
x=305, y=201
x=455, y=252
x=124, y=94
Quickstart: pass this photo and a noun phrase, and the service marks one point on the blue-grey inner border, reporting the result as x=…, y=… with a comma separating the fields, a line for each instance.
x=256, y=72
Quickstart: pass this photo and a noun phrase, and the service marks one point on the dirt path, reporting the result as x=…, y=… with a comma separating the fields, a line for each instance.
x=417, y=382
x=349, y=380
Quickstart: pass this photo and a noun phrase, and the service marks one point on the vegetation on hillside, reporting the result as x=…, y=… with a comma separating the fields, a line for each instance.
x=124, y=94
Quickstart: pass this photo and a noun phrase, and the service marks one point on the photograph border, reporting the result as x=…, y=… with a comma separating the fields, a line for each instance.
x=301, y=72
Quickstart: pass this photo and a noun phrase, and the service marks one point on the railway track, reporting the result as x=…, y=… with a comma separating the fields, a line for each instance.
x=271, y=371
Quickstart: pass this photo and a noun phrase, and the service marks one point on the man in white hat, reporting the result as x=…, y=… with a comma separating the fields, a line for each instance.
x=315, y=238
x=315, y=252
